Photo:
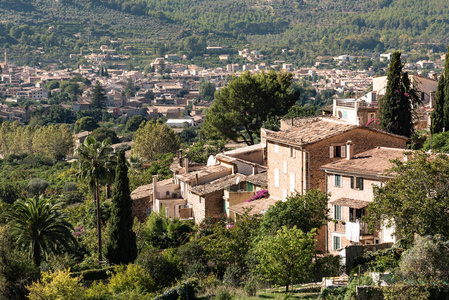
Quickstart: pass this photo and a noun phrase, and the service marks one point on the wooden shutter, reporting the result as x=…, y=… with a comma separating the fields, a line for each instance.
x=331, y=151
x=352, y=182
x=360, y=183
x=343, y=151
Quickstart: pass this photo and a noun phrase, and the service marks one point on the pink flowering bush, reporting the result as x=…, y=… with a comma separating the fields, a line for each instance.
x=258, y=195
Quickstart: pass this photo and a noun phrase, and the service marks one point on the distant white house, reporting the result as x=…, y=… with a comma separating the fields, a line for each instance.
x=179, y=122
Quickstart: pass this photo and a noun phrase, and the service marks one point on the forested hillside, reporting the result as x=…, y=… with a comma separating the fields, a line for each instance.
x=310, y=27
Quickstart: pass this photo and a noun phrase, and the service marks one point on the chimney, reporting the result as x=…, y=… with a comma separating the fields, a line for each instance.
x=349, y=150
x=186, y=165
x=155, y=193
x=255, y=170
x=196, y=179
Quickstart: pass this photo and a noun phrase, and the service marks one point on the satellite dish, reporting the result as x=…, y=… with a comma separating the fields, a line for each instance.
x=211, y=161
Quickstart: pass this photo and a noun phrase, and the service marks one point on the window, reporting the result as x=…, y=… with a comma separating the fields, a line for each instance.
x=276, y=177
x=292, y=182
x=371, y=116
x=357, y=183
x=336, y=242
x=337, y=151
x=292, y=152
x=356, y=214
x=337, y=212
x=249, y=187
x=337, y=180
x=276, y=148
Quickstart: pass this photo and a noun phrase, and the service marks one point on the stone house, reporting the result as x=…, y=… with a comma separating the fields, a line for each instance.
x=350, y=183
x=296, y=153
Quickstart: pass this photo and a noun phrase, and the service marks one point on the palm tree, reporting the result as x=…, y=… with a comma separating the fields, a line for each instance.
x=40, y=225
x=95, y=165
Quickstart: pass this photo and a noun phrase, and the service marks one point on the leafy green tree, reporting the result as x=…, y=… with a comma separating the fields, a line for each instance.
x=438, y=142
x=99, y=99
x=57, y=114
x=122, y=247
x=438, y=111
x=228, y=247
x=40, y=227
x=286, y=258
x=51, y=85
x=94, y=165
x=86, y=124
x=240, y=108
x=17, y=270
x=153, y=139
x=427, y=261
x=134, y=122
x=9, y=192
x=37, y=186
x=100, y=134
x=416, y=200
x=396, y=106
x=207, y=90
x=130, y=89
x=303, y=211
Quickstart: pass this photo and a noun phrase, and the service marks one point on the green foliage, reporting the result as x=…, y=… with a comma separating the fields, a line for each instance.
x=100, y=134
x=152, y=139
x=182, y=291
x=414, y=200
x=56, y=285
x=9, y=192
x=132, y=277
x=40, y=227
x=438, y=142
x=437, y=117
x=326, y=266
x=286, y=258
x=95, y=167
x=57, y=114
x=99, y=99
x=55, y=141
x=223, y=294
x=188, y=134
x=122, y=247
x=86, y=124
x=303, y=211
x=427, y=261
x=37, y=187
x=298, y=111
x=16, y=269
x=396, y=106
x=240, y=109
x=134, y=122
x=164, y=267
x=207, y=90
x=228, y=247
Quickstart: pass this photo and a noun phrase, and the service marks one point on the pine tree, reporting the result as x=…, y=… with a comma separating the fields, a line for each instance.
x=396, y=105
x=438, y=112
x=122, y=247
x=99, y=98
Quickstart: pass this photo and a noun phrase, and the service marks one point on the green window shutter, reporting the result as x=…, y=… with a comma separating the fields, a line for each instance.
x=249, y=187
x=352, y=182
x=360, y=183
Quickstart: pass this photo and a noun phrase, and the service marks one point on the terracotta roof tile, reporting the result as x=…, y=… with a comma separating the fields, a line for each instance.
x=374, y=162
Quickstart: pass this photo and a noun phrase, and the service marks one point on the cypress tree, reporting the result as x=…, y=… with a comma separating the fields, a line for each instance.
x=396, y=107
x=438, y=108
x=122, y=247
x=99, y=98
x=446, y=92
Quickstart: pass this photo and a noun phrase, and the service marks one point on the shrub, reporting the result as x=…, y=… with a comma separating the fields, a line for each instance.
x=231, y=276
x=183, y=291
x=56, y=285
x=326, y=266
x=95, y=274
x=223, y=295
x=37, y=186
x=131, y=277
x=163, y=267
x=251, y=286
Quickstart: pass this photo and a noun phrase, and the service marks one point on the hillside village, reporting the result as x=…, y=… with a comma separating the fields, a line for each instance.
x=342, y=151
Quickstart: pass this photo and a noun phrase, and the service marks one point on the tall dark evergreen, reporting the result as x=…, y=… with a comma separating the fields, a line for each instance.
x=438, y=108
x=122, y=247
x=446, y=92
x=396, y=105
x=99, y=98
